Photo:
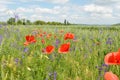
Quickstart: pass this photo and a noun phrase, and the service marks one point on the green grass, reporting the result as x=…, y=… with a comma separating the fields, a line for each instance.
x=78, y=64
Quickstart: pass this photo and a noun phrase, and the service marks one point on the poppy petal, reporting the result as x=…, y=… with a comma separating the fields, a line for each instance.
x=27, y=38
x=68, y=36
x=30, y=39
x=110, y=76
x=112, y=58
x=64, y=48
x=26, y=43
x=109, y=59
x=49, y=49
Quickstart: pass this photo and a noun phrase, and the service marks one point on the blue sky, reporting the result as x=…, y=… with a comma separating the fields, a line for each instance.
x=75, y=11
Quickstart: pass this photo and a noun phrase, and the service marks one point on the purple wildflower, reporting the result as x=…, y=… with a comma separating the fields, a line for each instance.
x=0, y=26
x=105, y=65
x=26, y=49
x=55, y=75
x=57, y=42
x=16, y=61
x=102, y=69
x=109, y=41
x=52, y=75
x=1, y=37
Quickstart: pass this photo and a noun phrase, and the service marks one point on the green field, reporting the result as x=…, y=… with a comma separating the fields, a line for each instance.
x=85, y=60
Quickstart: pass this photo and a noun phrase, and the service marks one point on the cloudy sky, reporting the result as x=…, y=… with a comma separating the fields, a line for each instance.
x=75, y=11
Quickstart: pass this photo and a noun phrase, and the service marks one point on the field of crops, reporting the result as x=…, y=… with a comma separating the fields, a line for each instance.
x=83, y=60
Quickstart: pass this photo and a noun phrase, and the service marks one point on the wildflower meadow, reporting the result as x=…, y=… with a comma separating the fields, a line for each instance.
x=59, y=52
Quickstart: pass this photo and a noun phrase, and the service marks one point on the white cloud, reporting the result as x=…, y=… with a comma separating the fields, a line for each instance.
x=40, y=10
x=35, y=17
x=3, y=8
x=3, y=12
x=106, y=2
x=41, y=17
x=43, y=10
x=92, y=8
x=50, y=1
x=6, y=2
x=57, y=1
x=100, y=16
x=97, y=11
x=24, y=10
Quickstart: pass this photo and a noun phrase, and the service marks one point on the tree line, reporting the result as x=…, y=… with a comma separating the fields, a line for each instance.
x=13, y=21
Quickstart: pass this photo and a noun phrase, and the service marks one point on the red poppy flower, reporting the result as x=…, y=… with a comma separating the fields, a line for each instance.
x=43, y=41
x=40, y=35
x=55, y=36
x=112, y=58
x=110, y=76
x=48, y=36
x=49, y=49
x=44, y=32
x=61, y=31
x=29, y=39
x=68, y=36
x=64, y=48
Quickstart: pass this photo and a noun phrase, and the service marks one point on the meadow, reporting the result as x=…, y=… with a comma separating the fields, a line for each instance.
x=84, y=61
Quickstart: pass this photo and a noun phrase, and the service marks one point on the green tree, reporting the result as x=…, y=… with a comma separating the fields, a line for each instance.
x=39, y=22
x=65, y=22
x=19, y=22
x=23, y=20
x=11, y=21
x=54, y=23
x=28, y=22
x=49, y=23
x=68, y=23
